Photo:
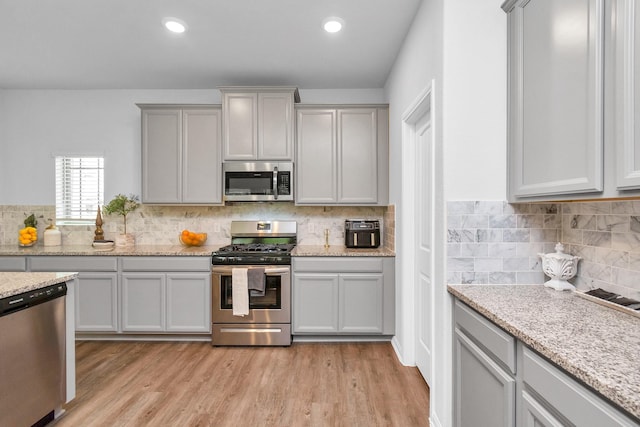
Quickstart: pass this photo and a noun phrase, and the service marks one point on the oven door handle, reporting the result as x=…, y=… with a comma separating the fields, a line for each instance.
x=267, y=271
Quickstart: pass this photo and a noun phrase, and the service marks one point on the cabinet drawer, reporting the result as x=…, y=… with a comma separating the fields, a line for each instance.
x=73, y=263
x=164, y=264
x=338, y=265
x=13, y=263
x=572, y=400
x=499, y=344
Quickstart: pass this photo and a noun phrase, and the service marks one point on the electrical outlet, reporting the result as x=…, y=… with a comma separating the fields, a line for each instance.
x=311, y=228
x=216, y=227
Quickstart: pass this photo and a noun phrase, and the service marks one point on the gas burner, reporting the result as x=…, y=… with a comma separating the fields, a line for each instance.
x=257, y=247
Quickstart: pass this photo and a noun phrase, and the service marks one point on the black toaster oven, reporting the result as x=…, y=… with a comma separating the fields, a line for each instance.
x=361, y=233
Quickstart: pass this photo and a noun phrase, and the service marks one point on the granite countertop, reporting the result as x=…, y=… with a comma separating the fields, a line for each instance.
x=84, y=250
x=17, y=283
x=339, y=250
x=179, y=250
x=596, y=344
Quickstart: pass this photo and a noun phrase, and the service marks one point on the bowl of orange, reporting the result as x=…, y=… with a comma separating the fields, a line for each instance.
x=192, y=238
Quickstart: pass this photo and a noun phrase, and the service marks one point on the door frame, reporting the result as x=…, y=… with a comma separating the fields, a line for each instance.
x=423, y=103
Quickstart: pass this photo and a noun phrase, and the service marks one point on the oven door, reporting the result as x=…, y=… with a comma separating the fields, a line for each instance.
x=273, y=307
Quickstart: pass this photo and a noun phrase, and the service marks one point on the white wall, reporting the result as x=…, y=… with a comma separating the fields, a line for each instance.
x=419, y=61
x=475, y=100
x=38, y=124
x=419, y=64
x=461, y=44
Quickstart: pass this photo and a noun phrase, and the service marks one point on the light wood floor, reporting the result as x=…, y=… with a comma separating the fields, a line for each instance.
x=194, y=384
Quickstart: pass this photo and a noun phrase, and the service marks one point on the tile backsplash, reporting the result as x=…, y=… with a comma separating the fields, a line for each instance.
x=497, y=242
x=161, y=224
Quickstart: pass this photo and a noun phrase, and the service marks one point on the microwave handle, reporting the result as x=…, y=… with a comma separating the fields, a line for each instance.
x=275, y=182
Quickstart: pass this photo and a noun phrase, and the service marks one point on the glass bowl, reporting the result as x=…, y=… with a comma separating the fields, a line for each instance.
x=192, y=238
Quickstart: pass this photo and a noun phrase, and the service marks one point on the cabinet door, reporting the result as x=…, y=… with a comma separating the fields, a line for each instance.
x=275, y=126
x=240, y=126
x=484, y=394
x=316, y=173
x=556, y=97
x=161, y=155
x=96, y=302
x=189, y=302
x=202, y=182
x=357, y=156
x=315, y=303
x=360, y=307
x=534, y=413
x=628, y=94
x=143, y=302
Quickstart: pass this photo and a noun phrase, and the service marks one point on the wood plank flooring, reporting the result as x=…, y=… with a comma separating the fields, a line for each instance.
x=195, y=384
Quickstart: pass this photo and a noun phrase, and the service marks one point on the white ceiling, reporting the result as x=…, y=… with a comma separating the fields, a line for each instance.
x=121, y=44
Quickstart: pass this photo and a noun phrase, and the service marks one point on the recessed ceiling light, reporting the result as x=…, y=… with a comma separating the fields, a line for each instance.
x=333, y=24
x=174, y=25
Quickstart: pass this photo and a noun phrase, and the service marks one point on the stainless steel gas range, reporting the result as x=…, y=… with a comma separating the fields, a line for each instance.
x=251, y=285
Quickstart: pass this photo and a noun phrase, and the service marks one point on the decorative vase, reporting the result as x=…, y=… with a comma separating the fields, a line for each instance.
x=560, y=267
x=124, y=240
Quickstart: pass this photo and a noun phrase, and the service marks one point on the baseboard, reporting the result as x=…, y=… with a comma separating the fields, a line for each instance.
x=341, y=338
x=143, y=337
x=397, y=347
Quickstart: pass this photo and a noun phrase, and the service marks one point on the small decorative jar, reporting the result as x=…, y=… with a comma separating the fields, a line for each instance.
x=560, y=267
x=52, y=236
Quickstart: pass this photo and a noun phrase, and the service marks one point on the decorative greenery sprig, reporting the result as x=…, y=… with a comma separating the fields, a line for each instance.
x=122, y=205
x=31, y=221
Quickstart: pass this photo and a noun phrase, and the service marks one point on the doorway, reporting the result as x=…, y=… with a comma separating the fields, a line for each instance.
x=418, y=199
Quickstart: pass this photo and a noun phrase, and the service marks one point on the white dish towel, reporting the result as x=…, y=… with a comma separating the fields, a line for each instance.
x=240, y=291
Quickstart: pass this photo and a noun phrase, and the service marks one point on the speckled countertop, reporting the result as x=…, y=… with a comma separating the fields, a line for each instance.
x=598, y=345
x=17, y=283
x=335, y=250
x=138, y=250
x=179, y=250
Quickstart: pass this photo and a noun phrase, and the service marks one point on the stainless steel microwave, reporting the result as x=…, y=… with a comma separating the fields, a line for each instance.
x=258, y=181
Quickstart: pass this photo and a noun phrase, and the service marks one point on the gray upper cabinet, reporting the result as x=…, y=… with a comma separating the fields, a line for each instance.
x=181, y=159
x=627, y=94
x=258, y=122
x=556, y=101
x=574, y=98
x=342, y=155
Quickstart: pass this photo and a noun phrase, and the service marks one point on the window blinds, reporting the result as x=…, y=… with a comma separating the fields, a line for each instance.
x=79, y=187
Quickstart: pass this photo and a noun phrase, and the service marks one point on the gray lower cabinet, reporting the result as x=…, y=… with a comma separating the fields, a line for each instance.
x=131, y=294
x=343, y=296
x=166, y=294
x=484, y=372
x=96, y=295
x=490, y=391
x=551, y=397
x=143, y=302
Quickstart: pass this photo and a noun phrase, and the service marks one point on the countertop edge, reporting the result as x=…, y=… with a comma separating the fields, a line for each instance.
x=14, y=283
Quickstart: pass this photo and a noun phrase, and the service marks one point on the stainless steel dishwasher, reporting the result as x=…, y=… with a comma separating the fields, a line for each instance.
x=32, y=356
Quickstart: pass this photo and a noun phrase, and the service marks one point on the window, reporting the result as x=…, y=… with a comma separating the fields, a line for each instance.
x=79, y=188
